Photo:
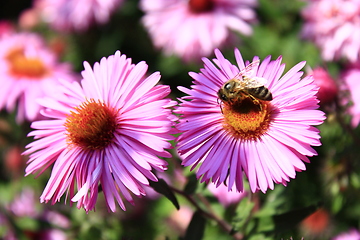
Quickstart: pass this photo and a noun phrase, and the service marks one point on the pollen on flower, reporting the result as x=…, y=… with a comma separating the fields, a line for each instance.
x=92, y=125
x=199, y=6
x=247, y=119
x=21, y=65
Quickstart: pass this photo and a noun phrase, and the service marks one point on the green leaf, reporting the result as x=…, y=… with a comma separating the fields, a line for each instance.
x=163, y=188
x=196, y=228
x=338, y=202
x=285, y=221
x=243, y=214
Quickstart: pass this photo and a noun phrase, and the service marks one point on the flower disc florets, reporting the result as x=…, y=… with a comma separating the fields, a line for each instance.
x=92, y=125
x=247, y=119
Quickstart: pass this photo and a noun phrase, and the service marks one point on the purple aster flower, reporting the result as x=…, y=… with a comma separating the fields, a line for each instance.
x=268, y=141
x=108, y=131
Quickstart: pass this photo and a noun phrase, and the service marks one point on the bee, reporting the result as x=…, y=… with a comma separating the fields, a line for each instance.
x=245, y=84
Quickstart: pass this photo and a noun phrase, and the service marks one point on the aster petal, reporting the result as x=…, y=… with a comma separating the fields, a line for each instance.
x=283, y=156
x=235, y=168
x=110, y=190
x=92, y=178
x=46, y=124
x=271, y=163
x=57, y=177
x=217, y=152
x=301, y=115
x=45, y=142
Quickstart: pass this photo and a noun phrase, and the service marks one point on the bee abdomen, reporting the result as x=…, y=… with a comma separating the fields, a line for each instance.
x=261, y=93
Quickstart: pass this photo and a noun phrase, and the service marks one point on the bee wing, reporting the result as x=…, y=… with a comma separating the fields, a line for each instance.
x=254, y=82
x=249, y=70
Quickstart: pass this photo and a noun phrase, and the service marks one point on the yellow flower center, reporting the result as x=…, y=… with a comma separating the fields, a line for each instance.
x=22, y=66
x=246, y=119
x=92, y=125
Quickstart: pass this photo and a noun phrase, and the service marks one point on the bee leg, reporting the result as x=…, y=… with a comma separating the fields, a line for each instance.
x=256, y=102
x=220, y=103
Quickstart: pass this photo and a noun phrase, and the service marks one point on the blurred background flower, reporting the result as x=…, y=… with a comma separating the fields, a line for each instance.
x=192, y=29
x=226, y=197
x=328, y=89
x=351, y=77
x=23, y=206
x=317, y=225
x=352, y=234
x=75, y=15
x=29, y=70
x=334, y=25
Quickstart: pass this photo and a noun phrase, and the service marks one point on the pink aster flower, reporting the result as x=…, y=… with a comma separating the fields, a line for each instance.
x=268, y=141
x=193, y=28
x=334, y=25
x=28, y=70
x=75, y=15
x=351, y=77
x=107, y=131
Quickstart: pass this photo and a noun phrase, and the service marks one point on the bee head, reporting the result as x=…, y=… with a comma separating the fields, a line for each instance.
x=222, y=96
x=228, y=86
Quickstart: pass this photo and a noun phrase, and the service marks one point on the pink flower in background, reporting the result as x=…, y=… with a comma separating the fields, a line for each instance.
x=334, y=25
x=328, y=89
x=75, y=15
x=267, y=140
x=353, y=234
x=52, y=234
x=192, y=29
x=28, y=70
x=226, y=197
x=108, y=132
x=24, y=204
x=6, y=28
x=352, y=79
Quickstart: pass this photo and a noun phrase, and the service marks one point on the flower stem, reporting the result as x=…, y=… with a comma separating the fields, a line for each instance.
x=210, y=214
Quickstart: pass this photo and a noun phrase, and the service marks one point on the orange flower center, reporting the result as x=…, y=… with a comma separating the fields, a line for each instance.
x=23, y=66
x=247, y=119
x=92, y=125
x=199, y=6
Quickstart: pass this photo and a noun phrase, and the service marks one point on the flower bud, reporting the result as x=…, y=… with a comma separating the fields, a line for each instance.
x=328, y=88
